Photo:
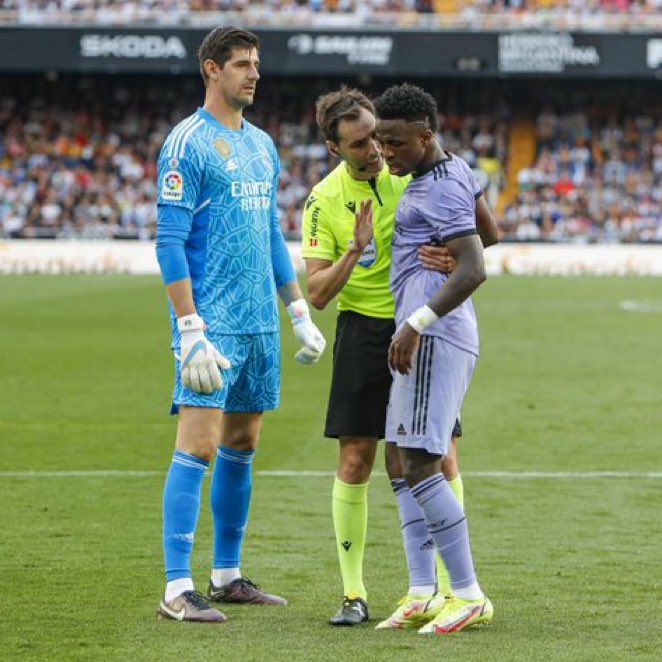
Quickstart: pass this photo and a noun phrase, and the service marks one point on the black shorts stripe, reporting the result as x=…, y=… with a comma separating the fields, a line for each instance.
x=417, y=387
x=423, y=380
x=426, y=400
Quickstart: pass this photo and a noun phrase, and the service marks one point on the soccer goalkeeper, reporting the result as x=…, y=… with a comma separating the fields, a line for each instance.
x=223, y=258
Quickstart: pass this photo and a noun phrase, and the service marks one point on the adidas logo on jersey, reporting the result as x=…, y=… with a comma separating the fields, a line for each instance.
x=230, y=166
x=401, y=429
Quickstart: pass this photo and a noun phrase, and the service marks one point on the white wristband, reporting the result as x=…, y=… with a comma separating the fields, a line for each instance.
x=421, y=318
x=298, y=309
x=191, y=322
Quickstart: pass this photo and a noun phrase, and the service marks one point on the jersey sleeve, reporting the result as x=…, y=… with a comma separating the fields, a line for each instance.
x=179, y=179
x=280, y=255
x=475, y=184
x=317, y=240
x=451, y=210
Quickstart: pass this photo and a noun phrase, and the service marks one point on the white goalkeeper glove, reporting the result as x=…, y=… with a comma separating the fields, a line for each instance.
x=306, y=332
x=201, y=362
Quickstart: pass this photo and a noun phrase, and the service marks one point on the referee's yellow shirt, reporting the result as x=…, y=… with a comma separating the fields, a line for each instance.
x=328, y=231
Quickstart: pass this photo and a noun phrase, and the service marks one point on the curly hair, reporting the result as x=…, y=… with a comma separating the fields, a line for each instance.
x=407, y=102
x=218, y=45
x=343, y=104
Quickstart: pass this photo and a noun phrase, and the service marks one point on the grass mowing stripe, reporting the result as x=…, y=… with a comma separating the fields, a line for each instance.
x=566, y=381
x=285, y=473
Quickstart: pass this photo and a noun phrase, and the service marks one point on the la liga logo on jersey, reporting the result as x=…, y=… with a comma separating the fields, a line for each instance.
x=173, y=186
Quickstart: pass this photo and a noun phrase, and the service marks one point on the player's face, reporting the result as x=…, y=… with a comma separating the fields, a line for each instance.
x=357, y=145
x=238, y=77
x=403, y=145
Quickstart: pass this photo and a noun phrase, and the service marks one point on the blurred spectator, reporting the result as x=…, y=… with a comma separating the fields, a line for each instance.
x=517, y=14
x=597, y=177
x=77, y=156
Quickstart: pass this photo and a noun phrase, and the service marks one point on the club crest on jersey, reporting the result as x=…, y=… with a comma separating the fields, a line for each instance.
x=351, y=206
x=222, y=147
x=173, y=186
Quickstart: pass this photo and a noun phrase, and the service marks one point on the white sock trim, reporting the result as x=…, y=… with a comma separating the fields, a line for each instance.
x=422, y=590
x=177, y=587
x=222, y=576
x=471, y=592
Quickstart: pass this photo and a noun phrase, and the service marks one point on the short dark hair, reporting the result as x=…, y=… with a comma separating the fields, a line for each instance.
x=218, y=45
x=343, y=104
x=409, y=103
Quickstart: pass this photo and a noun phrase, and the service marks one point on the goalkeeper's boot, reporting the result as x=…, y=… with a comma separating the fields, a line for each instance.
x=353, y=611
x=243, y=591
x=458, y=614
x=190, y=606
x=413, y=611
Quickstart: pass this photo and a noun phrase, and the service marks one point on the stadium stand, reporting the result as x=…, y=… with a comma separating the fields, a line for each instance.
x=77, y=151
x=77, y=154
x=596, y=176
x=440, y=14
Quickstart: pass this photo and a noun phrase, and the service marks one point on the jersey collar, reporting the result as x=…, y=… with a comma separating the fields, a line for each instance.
x=206, y=115
x=430, y=168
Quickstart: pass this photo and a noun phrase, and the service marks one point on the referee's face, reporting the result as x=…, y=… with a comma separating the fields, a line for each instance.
x=357, y=145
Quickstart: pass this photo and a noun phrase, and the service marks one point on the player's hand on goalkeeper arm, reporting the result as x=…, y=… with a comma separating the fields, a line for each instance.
x=311, y=339
x=201, y=362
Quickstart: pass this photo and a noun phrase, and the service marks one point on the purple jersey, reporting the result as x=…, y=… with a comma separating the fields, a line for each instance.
x=437, y=206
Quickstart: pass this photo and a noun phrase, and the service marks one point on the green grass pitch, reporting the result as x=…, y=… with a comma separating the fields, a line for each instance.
x=567, y=382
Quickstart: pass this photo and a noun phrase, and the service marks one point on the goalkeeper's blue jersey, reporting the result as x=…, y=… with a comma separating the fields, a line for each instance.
x=228, y=180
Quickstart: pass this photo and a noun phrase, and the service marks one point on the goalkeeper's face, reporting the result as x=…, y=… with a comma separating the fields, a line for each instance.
x=237, y=79
x=357, y=145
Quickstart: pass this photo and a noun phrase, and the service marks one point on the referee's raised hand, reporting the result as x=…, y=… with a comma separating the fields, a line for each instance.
x=363, y=230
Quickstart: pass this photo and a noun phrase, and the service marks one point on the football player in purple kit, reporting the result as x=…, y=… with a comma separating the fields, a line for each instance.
x=433, y=353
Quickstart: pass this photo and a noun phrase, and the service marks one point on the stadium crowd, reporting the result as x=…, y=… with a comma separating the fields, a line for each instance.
x=514, y=14
x=597, y=177
x=77, y=158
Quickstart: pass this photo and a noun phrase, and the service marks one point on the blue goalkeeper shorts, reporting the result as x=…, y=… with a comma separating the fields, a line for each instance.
x=251, y=384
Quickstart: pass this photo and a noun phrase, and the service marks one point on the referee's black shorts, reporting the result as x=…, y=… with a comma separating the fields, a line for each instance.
x=361, y=379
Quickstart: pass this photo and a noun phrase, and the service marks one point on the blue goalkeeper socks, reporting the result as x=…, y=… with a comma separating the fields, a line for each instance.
x=232, y=481
x=181, y=509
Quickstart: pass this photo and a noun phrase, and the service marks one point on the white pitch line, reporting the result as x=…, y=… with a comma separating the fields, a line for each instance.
x=642, y=305
x=277, y=473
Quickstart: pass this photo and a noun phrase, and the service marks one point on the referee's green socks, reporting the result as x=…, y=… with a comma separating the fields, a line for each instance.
x=350, y=521
x=443, y=580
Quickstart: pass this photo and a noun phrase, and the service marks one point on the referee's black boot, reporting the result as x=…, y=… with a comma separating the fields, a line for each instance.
x=352, y=612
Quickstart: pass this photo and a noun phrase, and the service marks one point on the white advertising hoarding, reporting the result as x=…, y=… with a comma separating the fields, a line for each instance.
x=138, y=257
